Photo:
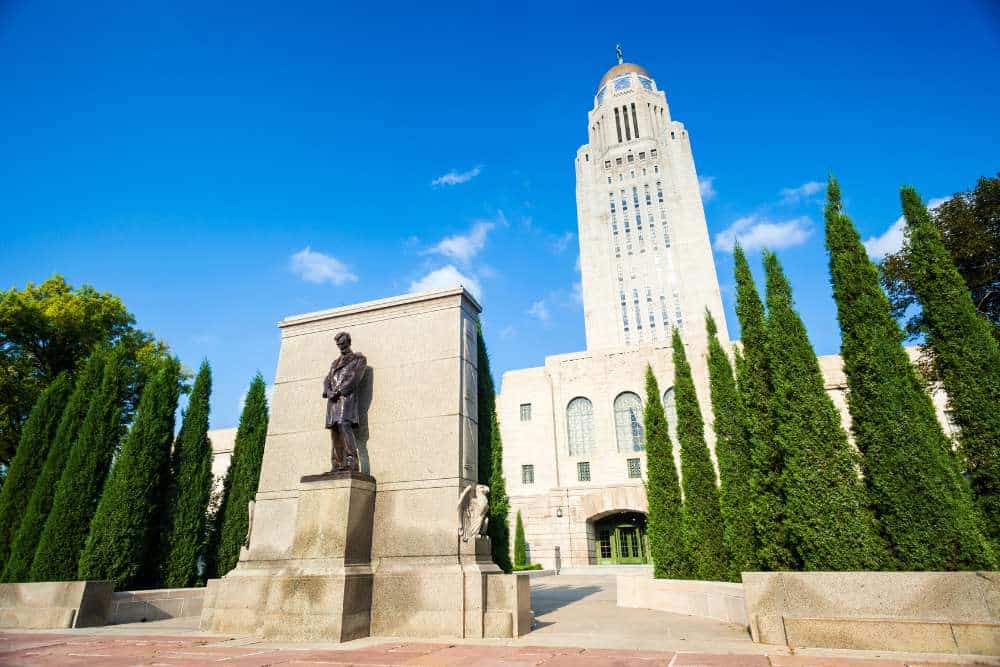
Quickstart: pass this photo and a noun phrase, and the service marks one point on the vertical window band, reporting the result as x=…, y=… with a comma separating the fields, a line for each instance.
x=628, y=131
x=618, y=124
x=635, y=121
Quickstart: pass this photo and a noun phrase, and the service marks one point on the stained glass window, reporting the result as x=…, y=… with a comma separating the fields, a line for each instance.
x=623, y=83
x=670, y=407
x=646, y=83
x=628, y=423
x=580, y=424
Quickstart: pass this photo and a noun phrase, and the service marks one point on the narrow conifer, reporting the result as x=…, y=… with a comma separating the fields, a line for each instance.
x=828, y=514
x=767, y=506
x=520, y=545
x=966, y=356
x=703, y=526
x=490, y=462
x=25, y=543
x=732, y=450
x=924, y=507
x=82, y=480
x=244, y=473
x=121, y=547
x=37, y=434
x=191, y=488
x=664, y=522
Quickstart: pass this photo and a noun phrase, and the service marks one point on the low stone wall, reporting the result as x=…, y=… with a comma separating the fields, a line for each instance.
x=55, y=604
x=156, y=605
x=940, y=612
x=710, y=599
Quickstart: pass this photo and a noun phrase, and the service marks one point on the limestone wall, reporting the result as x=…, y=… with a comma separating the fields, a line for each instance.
x=55, y=604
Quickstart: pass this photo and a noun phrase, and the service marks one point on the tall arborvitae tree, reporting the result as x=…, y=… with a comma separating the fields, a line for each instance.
x=121, y=547
x=520, y=545
x=923, y=505
x=491, y=458
x=827, y=513
x=191, y=488
x=244, y=473
x=703, y=526
x=37, y=434
x=22, y=552
x=966, y=356
x=767, y=506
x=664, y=522
x=82, y=480
x=732, y=450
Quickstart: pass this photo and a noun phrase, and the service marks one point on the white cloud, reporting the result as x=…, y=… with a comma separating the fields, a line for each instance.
x=508, y=332
x=707, y=186
x=540, y=310
x=755, y=232
x=464, y=247
x=562, y=242
x=456, y=178
x=792, y=195
x=315, y=267
x=891, y=240
x=447, y=276
x=577, y=292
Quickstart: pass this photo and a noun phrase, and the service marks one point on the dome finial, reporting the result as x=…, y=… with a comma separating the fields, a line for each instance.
x=618, y=52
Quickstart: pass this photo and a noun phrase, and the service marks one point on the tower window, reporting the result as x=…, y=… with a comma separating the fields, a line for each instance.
x=528, y=474
x=607, y=164
x=652, y=153
x=586, y=157
x=618, y=161
x=618, y=124
x=526, y=412
x=583, y=471
x=635, y=196
x=642, y=155
x=609, y=180
x=634, y=469
x=628, y=131
x=656, y=168
x=630, y=158
x=635, y=121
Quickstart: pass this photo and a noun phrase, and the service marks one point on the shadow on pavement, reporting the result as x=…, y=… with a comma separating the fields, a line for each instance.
x=545, y=599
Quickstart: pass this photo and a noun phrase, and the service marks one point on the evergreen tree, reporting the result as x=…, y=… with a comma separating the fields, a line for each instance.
x=966, y=356
x=491, y=458
x=244, y=473
x=121, y=547
x=924, y=507
x=520, y=545
x=25, y=543
x=191, y=488
x=36, y=436
x=703, y=526
x=767, y=506
x=828, y=513
x=732, y=449
x=80, y=485
x=664, y=522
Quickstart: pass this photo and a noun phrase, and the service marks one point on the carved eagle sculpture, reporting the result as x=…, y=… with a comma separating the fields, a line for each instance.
x=473, y=505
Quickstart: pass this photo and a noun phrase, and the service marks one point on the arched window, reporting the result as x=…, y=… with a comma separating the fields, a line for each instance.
x=670, y=407
x=580, y=425
x=628, y=423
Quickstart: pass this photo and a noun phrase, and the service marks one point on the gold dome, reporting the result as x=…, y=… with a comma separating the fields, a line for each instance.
x=623, y=68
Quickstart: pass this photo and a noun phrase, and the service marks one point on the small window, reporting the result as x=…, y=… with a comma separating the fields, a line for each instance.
x=609, y=180
x=607, y=164
x=652, y=153
x=642, y=155
x=526, y=412
x=583, y=471
x=630, y=158
x=528, y=474
x=656, y=168
x=586, y=157
x=618, y=161
x=634, y=469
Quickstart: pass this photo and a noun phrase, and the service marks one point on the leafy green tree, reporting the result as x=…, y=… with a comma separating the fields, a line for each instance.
x=491, y=458
x=244, y=473
x=702, y=517
x=664, y=522
x=121, y=547
x=22, y=552
x=36, y=437
x=828, y=513
x=732, y=449
x=924, y=506
x=520, y=545
x=82, y=480
x=966, y=356
x=191, y=488
x=47, y=329
x=767, y=506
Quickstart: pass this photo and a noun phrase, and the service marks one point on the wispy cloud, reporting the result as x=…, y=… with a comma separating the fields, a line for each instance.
x=562, y=242
x=804, y=191
x=891, y=240
x=508, y=332
x=540, y=311
x=754, y=231
x=315, y=267
x=707, y=186
x=447, y=276
x=463, y=247
x=456, y=178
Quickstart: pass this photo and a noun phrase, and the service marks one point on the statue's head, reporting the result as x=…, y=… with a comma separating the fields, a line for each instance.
x=482, y=490
x=343, y=340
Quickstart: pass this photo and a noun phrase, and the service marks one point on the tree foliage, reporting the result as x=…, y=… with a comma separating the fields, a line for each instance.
x=702, y=516
x=664, y=522
x=490, y=469
x=25, y=542
x=827, y=509
x=36, y=437
x=123, y=540
x=520, y=545
x=732, y=450
x=190, y=489
x=966, y=355
x=244, y=473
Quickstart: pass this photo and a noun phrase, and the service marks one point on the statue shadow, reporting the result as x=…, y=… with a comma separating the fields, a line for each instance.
x=365, y=392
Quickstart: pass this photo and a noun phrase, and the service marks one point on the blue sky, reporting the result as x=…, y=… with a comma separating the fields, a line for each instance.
x=221, y=166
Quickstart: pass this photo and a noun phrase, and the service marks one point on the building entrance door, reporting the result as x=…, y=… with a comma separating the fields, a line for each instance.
x=621, y=539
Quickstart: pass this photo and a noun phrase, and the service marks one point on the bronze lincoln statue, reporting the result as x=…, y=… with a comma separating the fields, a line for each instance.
x=340, y=388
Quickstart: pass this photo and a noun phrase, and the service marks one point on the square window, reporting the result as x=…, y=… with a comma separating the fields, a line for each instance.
x=631, y=158
x=527, y=474
x=583, y=471
x=526, y=412
x=607, y=164
x=618, y=160
x=634, y=469
x=642, y=155
x=652, y=153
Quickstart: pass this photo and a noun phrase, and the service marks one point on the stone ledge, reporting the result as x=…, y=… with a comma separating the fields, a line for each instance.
x=719, y=600
x=55, y=604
